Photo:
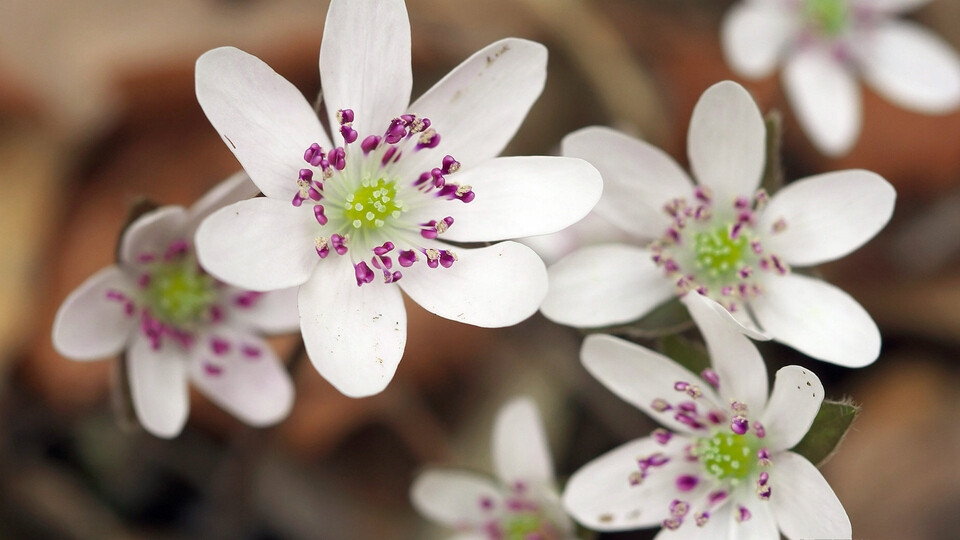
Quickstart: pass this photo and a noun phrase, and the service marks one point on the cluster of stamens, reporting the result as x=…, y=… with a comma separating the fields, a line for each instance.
x=520, y=517
x=360, y=202
x=716, y=252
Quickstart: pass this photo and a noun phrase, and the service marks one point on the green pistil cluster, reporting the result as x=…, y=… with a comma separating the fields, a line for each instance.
x=718, y=254
x=830, y=16
x=179, y=293
x=728, y=455
x=372, y=204
x=520, y=527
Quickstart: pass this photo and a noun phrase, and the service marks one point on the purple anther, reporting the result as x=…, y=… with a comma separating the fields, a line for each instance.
x=738, y=406
x=764, y=492
x=313, y=154
x=393, y=277
x=711, y=377
x=702, y=194
x=486, y=503
x=467, y=196
x=660, y=405
x=429, y=139
x=716, y=417
x=716, y=497
x=247, y=299
x=339, y=244
x=764, y=478
x=681, y=386
x=314, y=193
x=216, y=314
x=763, y=457
x=739, y=424
x=363, y=273
x=447, y=258
x=407, y=258
x=370, y=143
x=424, y=178
x=338, y=158
x=742, y=514
x=251, y=352
x=450, y=165
x=635, y=478
x=702, y=518
x=344, y=116
x=779, y=225
x=742, y=203
x=686, y=482
x=429, y=230
x=318, y=213
x=306, y=175
x=297, y=199
x=382, y=263
x=670, y=266
x=661, y=435
x=408, y=118
x=679, y=508
x=694, y=391
x=759, y=429
x=424, y=123
x=746, y=272
x=389, y=155
x=736, y=230
x=395, y=132
x=688, y=420
x=176, y=249
x=673, y=235
x=781, y=268
x=654, y=460
x=703, y=290
x=671, y=524
x=322, y=247
x=143, y=281
x=387, y=247
x=212, y=370
x=219, y=346
x=113, y=294
x=688, y=406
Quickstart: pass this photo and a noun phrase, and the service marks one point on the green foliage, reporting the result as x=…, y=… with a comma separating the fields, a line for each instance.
x=828, y=429
x=688, y=353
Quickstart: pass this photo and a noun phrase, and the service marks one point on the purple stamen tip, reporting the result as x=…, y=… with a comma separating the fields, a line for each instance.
x=662, y=436
x=363, y=273
x=318, y=213
x=349, y=134
x=212, y=369
x=711, y=377
x=739, y=424
x=251, y=352
x=345, y=116
x=687, y=482
x=306, y=175
x=759, y=429
x=219, y=346
x=370, y=143
x=407, y=258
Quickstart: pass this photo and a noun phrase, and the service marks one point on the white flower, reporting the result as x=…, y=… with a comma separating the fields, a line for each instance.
x=177, y=323
x=722, y=468
x=723, y=238
x=825, y=44
x=522, y=505
x=351, y=220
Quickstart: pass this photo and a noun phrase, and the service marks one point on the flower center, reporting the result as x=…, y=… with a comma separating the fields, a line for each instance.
x=718, y=253
x=520, y=518
x=179, y=293
x=728, y=455
x=372, y=204
x=829, y=16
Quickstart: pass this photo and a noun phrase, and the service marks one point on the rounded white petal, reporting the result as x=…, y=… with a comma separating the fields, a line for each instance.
x=522, y=196
x=761, y=525
x=90, y=326
x=727, y=141
x=520, y=449
x=603, y=285
x=259, y=244
x=591, y=230
x=238, y=187
x=599, y=495
x=365, y=62
x=794, y=403
x=453, y=497
x=719, y=526
x=804, y=504
x=354, y=335
x=273, y=312
x=247, y=379
x=263, y=119
x=152, y=233
x=894, y=5
x=825, y=97
x=158, y=386
x=913, y=67
x=754, y=36
x=639, y=179
x=479, y=105
x=827, y=216
x=737, y=362
x=817, y=319
x=639, y=376
x=494, y=286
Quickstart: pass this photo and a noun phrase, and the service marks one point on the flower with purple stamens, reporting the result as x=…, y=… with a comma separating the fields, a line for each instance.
x=734, y=479
x=355, y=218
x=178, y=323
x=521, y=504
x=723, y=238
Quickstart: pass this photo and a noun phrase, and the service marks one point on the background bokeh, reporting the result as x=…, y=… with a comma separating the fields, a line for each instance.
x=97, y=109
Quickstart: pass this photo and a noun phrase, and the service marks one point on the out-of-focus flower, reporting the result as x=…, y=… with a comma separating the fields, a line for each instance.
x=722, y=468
x=177, y=323
x=722, y=238
x=825, y=44
x=522, y=505
x=350, y=221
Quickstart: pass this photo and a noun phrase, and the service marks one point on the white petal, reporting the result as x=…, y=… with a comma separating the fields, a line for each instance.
x=913, y=67
x=90, y=326
x=494, y=286
x=152, y=233
x=761, y=525
x=453, y=497
x=754, y=36
x=365, y=62
x=638, y=376
x=248, y=379
x=825, y=98
x=804, y=504
x=523, y=196
x=259, y=244
x=794, y=403
x=273, y=312
x=894, y=5
x=591, y=230
x=638, y=179
x=827, y=216
x=520, y=449
x=158, y=385
x=599, y=495
x=742, y=372
x=479, y=105
x=263, y=119
x=238, y=187
x=817, y=319
x=726, y=142
x=354, y=335
x=718, y=527
x=603, y=285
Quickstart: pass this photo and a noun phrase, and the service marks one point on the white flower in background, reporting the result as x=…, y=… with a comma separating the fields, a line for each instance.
x=351, y=221
x=522, y=505
x=825, y=45
x=177, y=323
x=722, y=468
x=723, y=238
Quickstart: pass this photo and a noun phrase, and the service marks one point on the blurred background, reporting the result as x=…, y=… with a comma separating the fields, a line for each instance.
x=97, y=109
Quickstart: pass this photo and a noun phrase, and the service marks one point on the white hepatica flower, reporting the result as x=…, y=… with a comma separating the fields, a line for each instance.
x=177, y=323
x=348, y=223
x=722, y=468
x=723, y=238
x=523, y=505
x=826, y=44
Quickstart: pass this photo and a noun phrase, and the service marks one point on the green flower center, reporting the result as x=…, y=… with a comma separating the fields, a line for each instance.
x=728, y=455
x=179, y=293
x=521, y=526
x=830, y=16
x=372, y=204
x=719, y=254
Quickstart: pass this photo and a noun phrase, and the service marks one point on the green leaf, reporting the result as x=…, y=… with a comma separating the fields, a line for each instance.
x=828, y=429
x=688, y=353
x=773, y=168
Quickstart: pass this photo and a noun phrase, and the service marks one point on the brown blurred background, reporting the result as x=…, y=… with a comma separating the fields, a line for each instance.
x=97, y=108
